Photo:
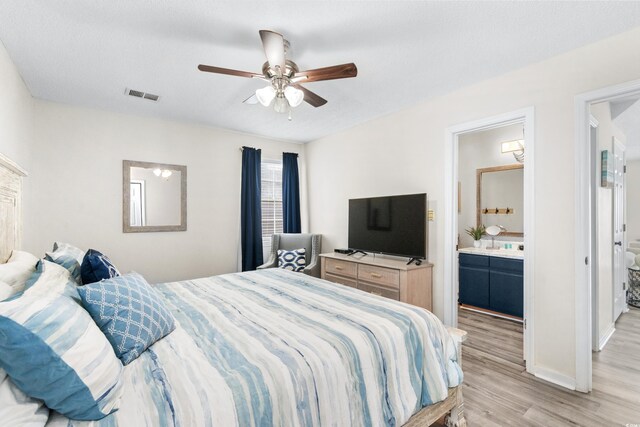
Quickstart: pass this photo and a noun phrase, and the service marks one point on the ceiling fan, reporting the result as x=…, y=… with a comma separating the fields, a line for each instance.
x=284, y=77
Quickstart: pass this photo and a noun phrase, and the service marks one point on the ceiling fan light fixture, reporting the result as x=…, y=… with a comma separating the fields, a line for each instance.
x=281, y=105
x=265, y=95
x=294, y=96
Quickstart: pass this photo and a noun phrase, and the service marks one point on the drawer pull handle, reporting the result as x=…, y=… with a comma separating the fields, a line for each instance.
x=339, y=267
x=376, y=275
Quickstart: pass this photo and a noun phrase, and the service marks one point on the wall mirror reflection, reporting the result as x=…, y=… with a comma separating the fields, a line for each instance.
x=154, y=197
x=499, y=196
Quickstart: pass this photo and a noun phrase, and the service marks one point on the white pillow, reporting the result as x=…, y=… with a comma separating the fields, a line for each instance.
x=5, y=291
x=18, y=409
x=18, y=269
x=51, y=279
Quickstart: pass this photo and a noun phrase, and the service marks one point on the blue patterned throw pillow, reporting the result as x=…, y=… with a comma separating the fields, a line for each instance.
x=96, y=266
x=129, y=312
x=292, y=260
x=54, y=352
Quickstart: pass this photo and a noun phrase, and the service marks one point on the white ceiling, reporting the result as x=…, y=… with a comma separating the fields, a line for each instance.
x=87, y=52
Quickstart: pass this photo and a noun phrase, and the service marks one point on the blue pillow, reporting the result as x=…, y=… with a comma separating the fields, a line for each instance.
x=292, y=260
x=67, y=256
x=96, y=266
x=130, y=314
x=54, y=352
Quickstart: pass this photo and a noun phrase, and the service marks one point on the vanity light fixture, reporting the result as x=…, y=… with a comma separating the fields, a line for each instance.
x=516, y=147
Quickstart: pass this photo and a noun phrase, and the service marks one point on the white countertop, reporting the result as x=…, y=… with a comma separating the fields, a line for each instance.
x=503, y=253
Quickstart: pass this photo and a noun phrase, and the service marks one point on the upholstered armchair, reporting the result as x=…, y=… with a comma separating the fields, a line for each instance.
x=312, y=243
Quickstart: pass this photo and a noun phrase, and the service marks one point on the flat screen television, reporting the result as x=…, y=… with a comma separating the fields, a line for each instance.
x=394, y=225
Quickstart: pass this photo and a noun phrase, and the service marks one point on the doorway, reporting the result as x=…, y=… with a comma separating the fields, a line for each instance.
x=607, y=137
x=524, y=119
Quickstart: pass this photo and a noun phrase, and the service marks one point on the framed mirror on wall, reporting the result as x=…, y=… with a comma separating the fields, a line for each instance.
x=499, y=197
x=154, y=197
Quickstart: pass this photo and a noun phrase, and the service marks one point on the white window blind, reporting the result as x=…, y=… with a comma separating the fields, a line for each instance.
x=271, y=202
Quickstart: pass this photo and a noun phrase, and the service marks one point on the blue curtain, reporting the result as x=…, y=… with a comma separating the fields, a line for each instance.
x=251, y=210
x=290, y=193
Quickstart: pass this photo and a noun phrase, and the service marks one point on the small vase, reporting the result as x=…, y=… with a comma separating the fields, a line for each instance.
x=477, y=243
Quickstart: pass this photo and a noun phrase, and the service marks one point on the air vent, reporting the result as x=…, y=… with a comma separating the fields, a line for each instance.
x=140, y=94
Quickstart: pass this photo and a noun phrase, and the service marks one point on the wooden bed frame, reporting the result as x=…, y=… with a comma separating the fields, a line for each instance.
x=10, y=238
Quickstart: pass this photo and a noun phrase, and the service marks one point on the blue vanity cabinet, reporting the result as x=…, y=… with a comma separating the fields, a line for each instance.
x=474, y=280
x=506, y=285
x=490, y=282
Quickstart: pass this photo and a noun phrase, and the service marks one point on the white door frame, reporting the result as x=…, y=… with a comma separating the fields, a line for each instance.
x=525, y=116
x=583, y=224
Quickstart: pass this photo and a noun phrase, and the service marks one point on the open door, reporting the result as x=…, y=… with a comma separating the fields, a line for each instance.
x=619, y=268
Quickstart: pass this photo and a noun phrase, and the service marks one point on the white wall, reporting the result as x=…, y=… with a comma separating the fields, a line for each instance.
x=405, y=153
x=16, y=106
x=633, y=200
x=604, y=199
x=483, y=150
x=76, y=189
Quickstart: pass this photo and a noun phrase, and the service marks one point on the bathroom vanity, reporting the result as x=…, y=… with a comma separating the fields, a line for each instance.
x=492, y=280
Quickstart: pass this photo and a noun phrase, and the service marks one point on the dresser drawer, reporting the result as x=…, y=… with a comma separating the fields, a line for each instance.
x=342, y=280
x=342, y=268
x=379, y=275
x=378, y=290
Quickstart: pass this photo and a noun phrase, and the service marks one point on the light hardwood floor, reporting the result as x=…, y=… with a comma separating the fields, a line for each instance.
x=498, y=391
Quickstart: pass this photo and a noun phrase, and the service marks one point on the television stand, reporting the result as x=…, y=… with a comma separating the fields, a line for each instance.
x=390, y=278
x=417, y=260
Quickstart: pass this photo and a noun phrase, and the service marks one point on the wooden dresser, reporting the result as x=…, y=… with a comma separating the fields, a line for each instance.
x=381, y=276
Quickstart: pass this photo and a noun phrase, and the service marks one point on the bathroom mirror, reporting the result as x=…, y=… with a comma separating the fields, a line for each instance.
x=154, y=197
x=499, y=197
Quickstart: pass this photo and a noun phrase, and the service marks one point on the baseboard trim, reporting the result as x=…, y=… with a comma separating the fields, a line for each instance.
x=555, y=378
x=604, y=339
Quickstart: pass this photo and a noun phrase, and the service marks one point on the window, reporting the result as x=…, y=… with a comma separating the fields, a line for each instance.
x=271, y=202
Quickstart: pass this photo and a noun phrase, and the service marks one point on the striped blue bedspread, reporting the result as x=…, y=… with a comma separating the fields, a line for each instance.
x=276, y=348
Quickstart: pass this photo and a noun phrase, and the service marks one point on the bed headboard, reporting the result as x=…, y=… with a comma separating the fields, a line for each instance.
x=10, y=206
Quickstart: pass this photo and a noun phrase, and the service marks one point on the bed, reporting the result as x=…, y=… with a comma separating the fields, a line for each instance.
x=279, y=348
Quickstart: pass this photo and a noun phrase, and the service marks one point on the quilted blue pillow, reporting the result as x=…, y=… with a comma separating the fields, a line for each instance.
x=96, y=266
x=54, y=352
x=67, y=256
x=292, y=260
x=130, y=314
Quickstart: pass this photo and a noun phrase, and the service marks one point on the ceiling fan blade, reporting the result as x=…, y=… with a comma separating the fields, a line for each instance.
x=343, y=71
x=251, y=100
x=310, y=97
x=273, y=44
x=228, y=71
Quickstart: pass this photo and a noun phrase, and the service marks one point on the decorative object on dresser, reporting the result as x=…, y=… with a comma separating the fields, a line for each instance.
x=390, y=278
x=312, y=244
x=492, y=284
